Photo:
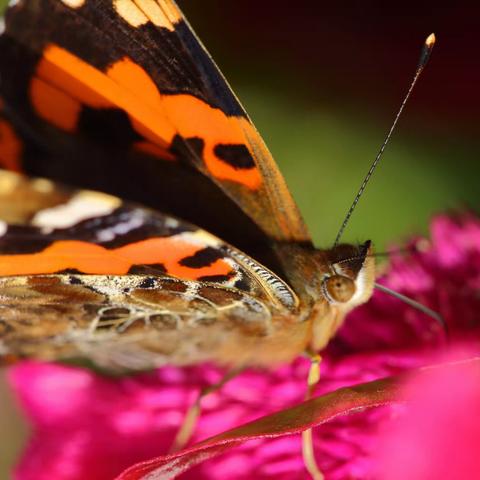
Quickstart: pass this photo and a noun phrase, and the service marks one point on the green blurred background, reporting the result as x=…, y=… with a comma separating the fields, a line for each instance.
x=322, y=81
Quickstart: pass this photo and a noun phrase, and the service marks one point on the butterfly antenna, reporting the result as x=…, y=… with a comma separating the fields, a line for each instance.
x=424, y=56
x=413, y=303
x=397, y=251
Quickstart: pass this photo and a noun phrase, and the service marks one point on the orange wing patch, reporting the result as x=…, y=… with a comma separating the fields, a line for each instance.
x=10, y=147
x=158, y=118
x=90, y=258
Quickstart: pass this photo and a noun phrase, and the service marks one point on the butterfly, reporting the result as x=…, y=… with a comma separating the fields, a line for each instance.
x=176, y=240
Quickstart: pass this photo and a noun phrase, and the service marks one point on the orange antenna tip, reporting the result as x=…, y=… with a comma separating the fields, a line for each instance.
x=426, y=52
x=430, y=41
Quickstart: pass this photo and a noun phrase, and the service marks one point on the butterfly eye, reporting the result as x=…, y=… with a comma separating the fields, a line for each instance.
x=339, y=288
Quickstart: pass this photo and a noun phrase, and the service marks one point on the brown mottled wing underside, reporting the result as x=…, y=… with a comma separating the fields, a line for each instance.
x=120, y=96
x=84, y=275
x=128, y=322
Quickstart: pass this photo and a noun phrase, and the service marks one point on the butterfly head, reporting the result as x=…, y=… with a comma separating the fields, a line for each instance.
x=350, y=278
x=345, y=278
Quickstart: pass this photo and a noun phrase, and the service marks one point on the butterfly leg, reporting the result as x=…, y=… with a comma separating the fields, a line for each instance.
x=191, y=417
x=307, y=440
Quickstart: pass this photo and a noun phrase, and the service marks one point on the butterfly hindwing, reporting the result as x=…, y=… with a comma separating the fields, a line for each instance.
x=84, y=274
x=124, y=92
x=128, y=322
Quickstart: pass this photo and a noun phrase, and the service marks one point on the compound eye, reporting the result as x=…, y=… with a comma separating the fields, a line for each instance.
x=339, y=288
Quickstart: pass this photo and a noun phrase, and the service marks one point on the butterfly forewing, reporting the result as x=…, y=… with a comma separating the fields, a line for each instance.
x=123, y=93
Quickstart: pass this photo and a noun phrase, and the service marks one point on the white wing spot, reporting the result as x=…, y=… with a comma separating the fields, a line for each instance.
x=200, y=238
x=73, y=3
x=82, y=206
x=108, y=234
x=140, y=12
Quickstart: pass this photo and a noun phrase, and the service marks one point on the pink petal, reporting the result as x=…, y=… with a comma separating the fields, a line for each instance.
x=437, y=435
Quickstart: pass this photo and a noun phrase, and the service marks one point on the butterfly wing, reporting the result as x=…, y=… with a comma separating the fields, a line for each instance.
x=122, y=97
x=129, y=322
x=85, y=275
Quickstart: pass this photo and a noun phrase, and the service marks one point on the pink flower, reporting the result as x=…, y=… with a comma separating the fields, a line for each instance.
x=436, y=435
x=87, y=426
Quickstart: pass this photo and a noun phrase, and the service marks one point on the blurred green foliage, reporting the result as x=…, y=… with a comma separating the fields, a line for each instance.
x=325, y=155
